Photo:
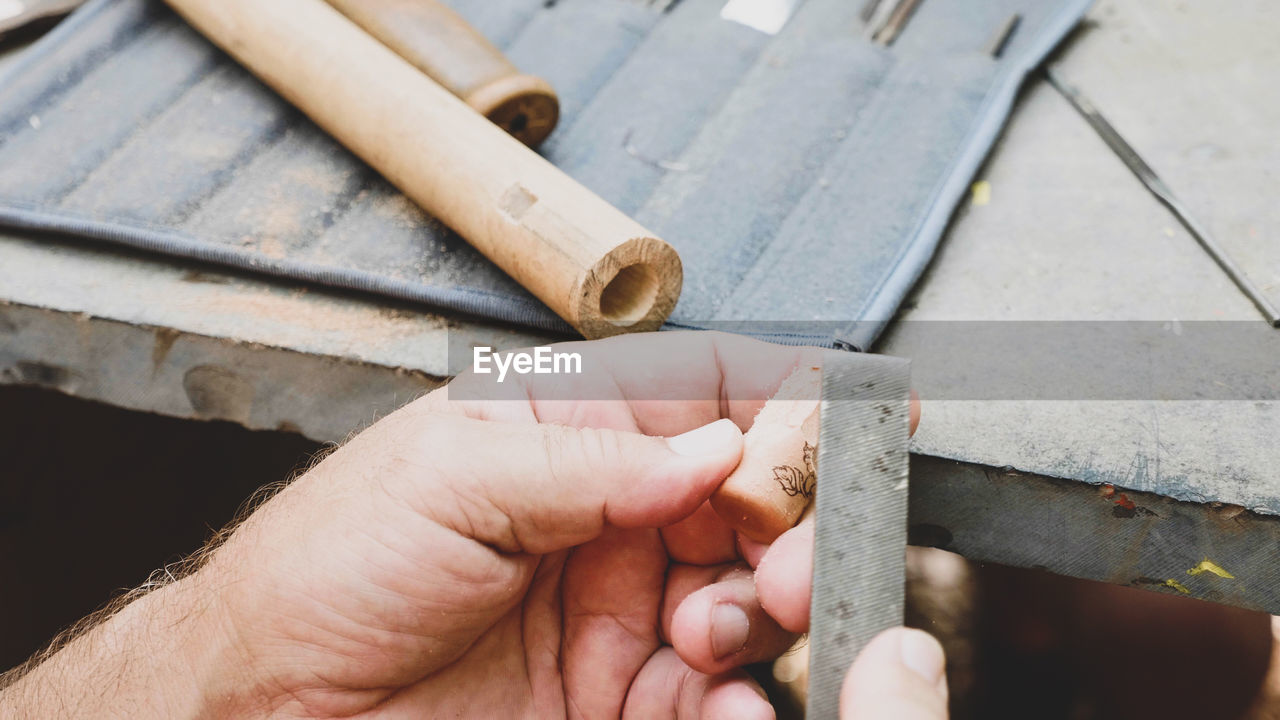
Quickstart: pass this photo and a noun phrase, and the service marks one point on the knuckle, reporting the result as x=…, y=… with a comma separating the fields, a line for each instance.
x=589, y=450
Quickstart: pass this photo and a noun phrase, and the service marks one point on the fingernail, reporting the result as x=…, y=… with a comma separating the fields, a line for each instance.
x=729, y=629
x=923, y=655
x=706, y=440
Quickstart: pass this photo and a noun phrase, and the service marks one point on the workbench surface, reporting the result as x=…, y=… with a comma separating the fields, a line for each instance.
x=1060, y=231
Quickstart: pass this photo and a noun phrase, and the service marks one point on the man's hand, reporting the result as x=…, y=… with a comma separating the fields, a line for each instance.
x=490, y=557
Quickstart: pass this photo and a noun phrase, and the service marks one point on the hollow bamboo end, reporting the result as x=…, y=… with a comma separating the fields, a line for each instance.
x=632, y=289
x=525, y=106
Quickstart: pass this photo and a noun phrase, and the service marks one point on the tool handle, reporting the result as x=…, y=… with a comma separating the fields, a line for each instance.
x=439, y=42
x=776, y=479
x=18, y=14
x=598, y=269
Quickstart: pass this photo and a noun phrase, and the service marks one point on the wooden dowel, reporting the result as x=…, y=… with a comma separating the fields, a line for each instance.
x=597, y=268
x=440, y=43
x=775, y=480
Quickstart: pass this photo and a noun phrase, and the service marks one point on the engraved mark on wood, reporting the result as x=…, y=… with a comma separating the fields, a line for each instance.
x=796, y=481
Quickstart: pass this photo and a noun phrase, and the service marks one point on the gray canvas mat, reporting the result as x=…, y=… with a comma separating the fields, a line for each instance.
x=804, y=177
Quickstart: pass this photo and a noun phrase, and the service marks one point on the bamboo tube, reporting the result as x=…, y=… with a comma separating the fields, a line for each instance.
x=775, y=480
x=440, y=43
x=594, y=266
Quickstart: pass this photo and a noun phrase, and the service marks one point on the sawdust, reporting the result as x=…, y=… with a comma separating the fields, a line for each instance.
x=321, y=179
x=402, y=211
x=276, y=223
x=358, y=324
x=272, y=246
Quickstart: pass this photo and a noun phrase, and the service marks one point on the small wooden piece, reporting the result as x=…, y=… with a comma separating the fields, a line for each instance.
x=595, y=267
x=774, y=483
x=20, y=15
x=440, y=43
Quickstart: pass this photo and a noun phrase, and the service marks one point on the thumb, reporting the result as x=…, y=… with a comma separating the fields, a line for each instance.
x=898, y=676
x=540, y=488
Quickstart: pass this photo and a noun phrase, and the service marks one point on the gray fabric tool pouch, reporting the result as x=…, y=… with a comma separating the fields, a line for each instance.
x=805, y=177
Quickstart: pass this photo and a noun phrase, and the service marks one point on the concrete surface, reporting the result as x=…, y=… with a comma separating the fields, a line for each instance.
x=1069, y=234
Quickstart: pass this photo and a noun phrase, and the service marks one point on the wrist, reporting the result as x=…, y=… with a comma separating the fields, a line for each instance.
x=205, y=674
x=167, y=654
